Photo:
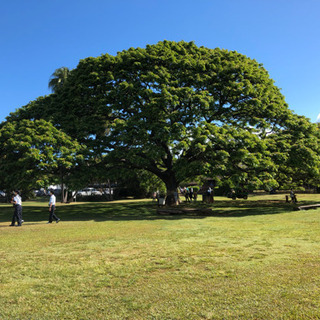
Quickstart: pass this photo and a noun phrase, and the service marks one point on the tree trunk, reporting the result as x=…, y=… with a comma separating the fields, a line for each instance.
x=109, y=186
x=65, y=200
x=63, y=195
x=172, y=190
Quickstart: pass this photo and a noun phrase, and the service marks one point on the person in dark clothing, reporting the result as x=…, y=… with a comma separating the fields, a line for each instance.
x=17, y=215
x=52, y=206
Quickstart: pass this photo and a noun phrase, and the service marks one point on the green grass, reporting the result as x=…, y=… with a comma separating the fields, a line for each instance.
x=254, y=259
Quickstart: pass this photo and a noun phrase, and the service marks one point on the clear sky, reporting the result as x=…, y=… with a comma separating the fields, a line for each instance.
x=39, y=36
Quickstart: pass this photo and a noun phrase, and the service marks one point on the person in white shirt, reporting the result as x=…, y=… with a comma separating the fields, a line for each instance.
x=52, y=206
x=17, y=215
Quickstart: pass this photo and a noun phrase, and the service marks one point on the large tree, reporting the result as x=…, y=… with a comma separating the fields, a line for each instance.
x=296, y=152
x=175, y=110
x=35, y=153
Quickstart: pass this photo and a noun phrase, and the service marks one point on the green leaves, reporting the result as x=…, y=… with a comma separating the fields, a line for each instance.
x=177, y=111
x=31, y=151
x=58, y=78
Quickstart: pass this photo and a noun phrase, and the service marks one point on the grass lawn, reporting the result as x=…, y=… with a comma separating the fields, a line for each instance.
x=252, y=259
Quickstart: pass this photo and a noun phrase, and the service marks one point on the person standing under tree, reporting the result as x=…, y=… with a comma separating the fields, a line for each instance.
x=17, y=215
x=52, y=206
x=293, y=196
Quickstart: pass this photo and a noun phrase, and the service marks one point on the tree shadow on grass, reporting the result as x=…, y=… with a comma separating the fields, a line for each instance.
x=126, y=211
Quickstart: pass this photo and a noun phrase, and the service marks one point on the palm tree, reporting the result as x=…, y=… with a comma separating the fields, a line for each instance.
x=58, y=78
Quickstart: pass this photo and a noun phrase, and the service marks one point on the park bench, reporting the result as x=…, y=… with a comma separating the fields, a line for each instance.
x=310, y=206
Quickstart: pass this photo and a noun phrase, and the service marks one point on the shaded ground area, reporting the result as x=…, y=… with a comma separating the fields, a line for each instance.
x=126, y=210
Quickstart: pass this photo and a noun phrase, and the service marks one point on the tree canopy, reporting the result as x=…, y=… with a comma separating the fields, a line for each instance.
x=176, y=110
x=32, y=152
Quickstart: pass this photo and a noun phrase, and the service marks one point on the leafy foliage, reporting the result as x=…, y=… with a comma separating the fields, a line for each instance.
x=58, y=78
x=32, y=151
x=180, y=111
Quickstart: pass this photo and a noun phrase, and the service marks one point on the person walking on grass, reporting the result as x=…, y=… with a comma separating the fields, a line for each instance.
x=52, y=206
x=17, y=215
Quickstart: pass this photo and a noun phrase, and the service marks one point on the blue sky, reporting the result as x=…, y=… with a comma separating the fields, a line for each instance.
x=39, y=36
